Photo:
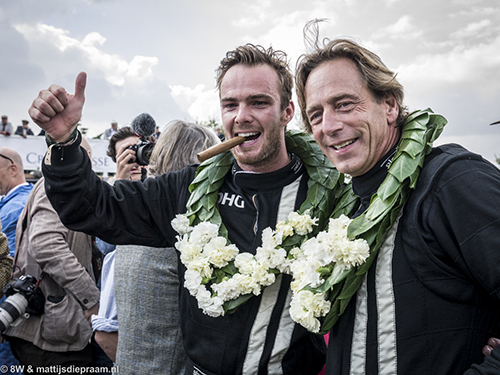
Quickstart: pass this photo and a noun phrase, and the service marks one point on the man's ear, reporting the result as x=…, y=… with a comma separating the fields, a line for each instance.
x=288, y=113
x=392, y=108
x=13, y=169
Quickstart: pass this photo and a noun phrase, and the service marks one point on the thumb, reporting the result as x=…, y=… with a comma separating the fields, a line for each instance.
x=80, y=83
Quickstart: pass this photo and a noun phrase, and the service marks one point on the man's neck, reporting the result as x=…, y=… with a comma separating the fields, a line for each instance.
x=268, y=166
x=15, y=187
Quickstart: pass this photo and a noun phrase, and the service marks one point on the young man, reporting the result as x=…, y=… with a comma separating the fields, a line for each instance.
x=263, y=185
x=430, y=300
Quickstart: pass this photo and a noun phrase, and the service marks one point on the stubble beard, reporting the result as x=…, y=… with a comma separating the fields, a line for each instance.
x=271, y=150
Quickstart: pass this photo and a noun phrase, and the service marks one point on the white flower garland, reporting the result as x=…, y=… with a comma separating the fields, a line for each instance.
x=327, y=268
x=203, y=252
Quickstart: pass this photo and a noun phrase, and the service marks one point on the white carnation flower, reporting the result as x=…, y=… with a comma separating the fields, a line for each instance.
x=328, y=245
x=245, y=262
x=300, y=280
x=306, y=307
x=302, y=224
x=339, y=226
x=262, y=275
x=284, y=228
x=310, y=248
x=247, y=284
x=201, y=266
x=189, y=251
x=212, y=306
x=271, y=239
x=296, y=253
x=181, y=224
x=218, y=253
x=192, y=280
x=352, y=253
x=227, y=290
x=271, y=257
x=203, y=233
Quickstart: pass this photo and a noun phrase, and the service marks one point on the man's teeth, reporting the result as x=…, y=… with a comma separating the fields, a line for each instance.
x=342, y=145
x=247, y=134
x=250, y=136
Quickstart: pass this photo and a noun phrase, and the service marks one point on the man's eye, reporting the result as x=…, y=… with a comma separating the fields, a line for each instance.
x=344, y=105
x=315, y=118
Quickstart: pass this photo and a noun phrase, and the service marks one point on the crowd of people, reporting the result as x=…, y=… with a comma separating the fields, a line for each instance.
x=23, y=130
x=426, y=300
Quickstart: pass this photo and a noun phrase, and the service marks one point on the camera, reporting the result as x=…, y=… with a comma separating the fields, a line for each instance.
x=143, y=150
x=24, y=298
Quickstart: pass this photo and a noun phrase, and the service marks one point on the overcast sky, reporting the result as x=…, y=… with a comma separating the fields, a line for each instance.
x=159, y=56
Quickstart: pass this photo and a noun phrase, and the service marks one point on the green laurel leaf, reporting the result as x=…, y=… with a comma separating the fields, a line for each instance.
x=420, y=129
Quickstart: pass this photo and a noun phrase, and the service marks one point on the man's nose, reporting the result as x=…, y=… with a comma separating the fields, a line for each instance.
x=243, y=115
x=331, y=122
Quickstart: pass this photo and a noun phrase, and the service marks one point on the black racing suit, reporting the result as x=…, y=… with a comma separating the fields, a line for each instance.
x=259, y=337
x=429, y=305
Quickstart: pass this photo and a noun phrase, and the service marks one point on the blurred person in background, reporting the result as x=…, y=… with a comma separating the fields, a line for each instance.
x=63, y=258
x=5, y=126
x=24, y=129
x=108, y=133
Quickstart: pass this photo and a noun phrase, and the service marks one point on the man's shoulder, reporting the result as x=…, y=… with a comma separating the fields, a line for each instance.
x=446, y=161
x=25, y=190
x=445, y=155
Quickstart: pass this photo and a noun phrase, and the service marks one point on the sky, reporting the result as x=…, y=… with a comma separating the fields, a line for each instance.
x=160, y=57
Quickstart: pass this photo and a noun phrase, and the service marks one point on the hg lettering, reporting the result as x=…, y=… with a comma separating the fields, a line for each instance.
x=230, y=200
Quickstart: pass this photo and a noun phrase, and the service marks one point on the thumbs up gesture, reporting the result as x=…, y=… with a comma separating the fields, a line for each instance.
x=57, y=112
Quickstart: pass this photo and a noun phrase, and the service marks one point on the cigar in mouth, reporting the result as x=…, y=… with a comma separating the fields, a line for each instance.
x=220, y=148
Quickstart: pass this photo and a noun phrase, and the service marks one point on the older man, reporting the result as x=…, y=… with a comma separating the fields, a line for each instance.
x=14, y=191
x=63, y=260
x=431, y=298
x=264, y=183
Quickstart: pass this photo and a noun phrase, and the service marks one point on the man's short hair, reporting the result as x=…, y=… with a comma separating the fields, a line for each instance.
x=252, y=55
x=379, y=80
x=119, y=135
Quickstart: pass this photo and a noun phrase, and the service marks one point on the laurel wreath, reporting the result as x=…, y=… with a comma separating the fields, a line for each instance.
x=327, y=197
x=419, y=131
x=326, y=194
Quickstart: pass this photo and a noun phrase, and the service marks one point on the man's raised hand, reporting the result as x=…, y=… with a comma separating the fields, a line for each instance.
x=57, y=112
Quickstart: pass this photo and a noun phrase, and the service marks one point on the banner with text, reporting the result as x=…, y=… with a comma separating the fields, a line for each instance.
x=33, y=149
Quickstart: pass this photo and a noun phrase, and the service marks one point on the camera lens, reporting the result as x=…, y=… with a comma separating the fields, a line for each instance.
x=11, y=309
x=144, y=153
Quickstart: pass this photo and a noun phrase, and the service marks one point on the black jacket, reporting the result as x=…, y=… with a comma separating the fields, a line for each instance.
x=440, y=300
x=260, y=336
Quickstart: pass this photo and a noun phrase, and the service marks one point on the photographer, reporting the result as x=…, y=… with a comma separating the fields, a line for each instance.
x=60, y=336
x=121, y=152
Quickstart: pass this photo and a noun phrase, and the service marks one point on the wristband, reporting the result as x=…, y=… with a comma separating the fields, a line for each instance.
x=70, y=140
x=51, y=143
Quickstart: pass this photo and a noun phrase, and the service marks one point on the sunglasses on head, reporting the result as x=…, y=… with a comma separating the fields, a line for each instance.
x=6, y=157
